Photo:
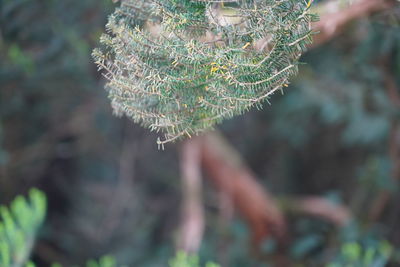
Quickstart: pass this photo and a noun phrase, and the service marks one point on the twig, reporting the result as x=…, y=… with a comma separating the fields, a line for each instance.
x=192, y=224
x=332, y=23
x=228, y=173
x=321, y=207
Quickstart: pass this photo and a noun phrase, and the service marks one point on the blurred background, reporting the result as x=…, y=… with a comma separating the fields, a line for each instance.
x=310, y=180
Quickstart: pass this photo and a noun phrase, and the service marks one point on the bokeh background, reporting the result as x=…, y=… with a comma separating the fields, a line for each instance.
x=334, y=134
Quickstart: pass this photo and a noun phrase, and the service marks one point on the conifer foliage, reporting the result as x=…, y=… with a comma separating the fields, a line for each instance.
x=180, y=66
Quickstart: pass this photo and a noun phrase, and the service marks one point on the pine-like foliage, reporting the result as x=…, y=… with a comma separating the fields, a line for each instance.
x=180, y=66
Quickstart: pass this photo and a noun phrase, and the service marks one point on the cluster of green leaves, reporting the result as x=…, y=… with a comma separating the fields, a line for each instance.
x=105, y=261
x=354, y=254
x=18, y=227
x=182, y=72
x=184, y=260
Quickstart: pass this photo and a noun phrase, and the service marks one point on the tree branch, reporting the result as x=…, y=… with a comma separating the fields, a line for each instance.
x=332, y=23
x=192, y=222
x=228, y=173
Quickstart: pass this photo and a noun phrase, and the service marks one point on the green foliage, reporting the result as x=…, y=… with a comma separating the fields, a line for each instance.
x=180, y=67
x=355, y=254
x=105, y=261
x=20, y=223
x=329, y=132
x=18, y=227
x=19, y=58
x=341, y=87
x=183, y=260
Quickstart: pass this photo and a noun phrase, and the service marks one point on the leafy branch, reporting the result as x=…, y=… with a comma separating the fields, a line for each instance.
x=18, y=227
x=180, y=67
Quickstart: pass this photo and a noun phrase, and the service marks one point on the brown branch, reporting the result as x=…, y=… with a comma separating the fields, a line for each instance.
x=228, y=173
x=333, y=23
x=192, y=224
x=226, y=213
x=232, y=178
x=321, y=207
